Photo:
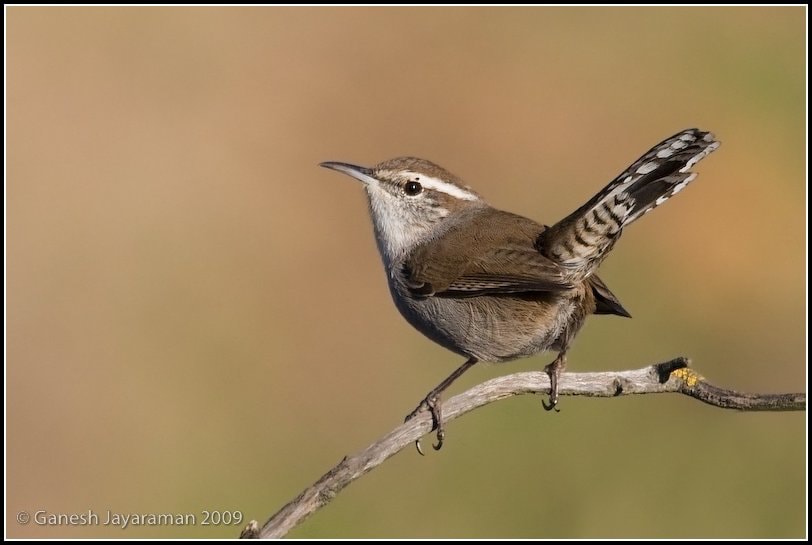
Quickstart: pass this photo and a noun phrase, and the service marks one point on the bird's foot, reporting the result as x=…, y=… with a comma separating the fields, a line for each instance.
x=554, y=370
x=433, y=404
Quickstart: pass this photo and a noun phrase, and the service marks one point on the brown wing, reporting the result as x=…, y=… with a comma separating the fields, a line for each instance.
x=469, y=262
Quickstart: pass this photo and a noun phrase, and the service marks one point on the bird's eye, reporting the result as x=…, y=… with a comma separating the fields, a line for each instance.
x=412, y=188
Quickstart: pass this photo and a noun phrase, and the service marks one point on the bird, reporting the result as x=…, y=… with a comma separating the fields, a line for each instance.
x=493, y=286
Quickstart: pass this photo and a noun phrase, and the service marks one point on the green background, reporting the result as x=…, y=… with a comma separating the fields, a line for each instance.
x=197, y=317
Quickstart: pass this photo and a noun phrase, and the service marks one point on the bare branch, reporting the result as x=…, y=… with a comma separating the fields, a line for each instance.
x=669, y=377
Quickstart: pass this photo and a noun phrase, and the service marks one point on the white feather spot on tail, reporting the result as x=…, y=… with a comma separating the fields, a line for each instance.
x=699, y=156
x=647, y=167
x=680, y=186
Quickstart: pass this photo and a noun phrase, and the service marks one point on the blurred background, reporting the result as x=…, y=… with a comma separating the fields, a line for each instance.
x=197, y=317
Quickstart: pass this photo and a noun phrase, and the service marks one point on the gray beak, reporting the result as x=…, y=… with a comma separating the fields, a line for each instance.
x=361, y=174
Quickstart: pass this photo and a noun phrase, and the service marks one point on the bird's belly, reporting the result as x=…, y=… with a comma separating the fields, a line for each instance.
x=494, y=328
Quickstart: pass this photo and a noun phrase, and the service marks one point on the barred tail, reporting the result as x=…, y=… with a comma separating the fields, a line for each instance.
x=581, y=240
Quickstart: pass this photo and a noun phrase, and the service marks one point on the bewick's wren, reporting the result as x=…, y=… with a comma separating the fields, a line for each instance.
x=493, y=286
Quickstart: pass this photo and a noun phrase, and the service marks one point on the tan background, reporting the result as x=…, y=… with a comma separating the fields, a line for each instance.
x=198, y=319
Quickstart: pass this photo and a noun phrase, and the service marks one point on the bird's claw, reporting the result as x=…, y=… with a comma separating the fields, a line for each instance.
x=552, y=405
x=418, y=447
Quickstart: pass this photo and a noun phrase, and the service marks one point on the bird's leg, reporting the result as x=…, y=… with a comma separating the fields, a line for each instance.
x=433, y=403
x=554, y=370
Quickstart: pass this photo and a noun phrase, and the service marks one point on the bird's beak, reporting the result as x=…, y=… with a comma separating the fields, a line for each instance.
x=361, y=174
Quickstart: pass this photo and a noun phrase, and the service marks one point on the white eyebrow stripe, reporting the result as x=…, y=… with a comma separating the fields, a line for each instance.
x=442, y=186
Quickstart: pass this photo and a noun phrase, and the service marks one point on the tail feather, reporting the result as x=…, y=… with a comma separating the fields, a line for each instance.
x=581, y=240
